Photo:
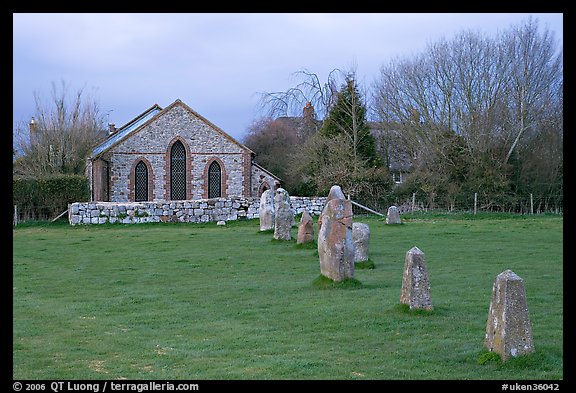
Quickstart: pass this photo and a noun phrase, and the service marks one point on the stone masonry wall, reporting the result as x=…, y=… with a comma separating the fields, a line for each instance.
x=194, y=211
x=153, y=143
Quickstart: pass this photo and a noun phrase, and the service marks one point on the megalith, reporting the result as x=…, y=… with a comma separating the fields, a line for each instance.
x=508, y=329
x=361, y=240
x=335, y=245
x=266, y=211
x=393, y=216
x=415, y=282
x=283, y=215
x=305, y=229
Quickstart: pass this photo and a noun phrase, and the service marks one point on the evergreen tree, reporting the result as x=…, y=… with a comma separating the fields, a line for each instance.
x=344, y=151
x=348, y=117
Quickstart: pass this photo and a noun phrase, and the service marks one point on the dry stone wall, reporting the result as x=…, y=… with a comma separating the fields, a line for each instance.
x=194, y=211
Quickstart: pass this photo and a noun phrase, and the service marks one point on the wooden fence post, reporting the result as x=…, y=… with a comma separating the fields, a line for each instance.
x=413, y=201
x=475, y=201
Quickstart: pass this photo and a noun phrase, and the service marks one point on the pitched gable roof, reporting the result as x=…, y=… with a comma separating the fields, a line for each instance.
x=265, y=170
x=215, y=127
x=145, y=118
x=124, y=131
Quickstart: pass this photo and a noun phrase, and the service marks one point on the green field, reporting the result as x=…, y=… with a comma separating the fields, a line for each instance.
x=200, y=301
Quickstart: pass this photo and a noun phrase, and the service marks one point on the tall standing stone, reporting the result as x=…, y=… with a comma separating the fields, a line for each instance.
x=305, y=229
x=283, y=216
x=393, y=216
x=266, y=211
x=415, y=282
x=361, y=240
x=508, y=330
x=335, y=245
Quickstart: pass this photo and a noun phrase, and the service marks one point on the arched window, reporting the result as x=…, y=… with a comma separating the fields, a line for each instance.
x=177, y=171
x=141, y=182
x=214, y=180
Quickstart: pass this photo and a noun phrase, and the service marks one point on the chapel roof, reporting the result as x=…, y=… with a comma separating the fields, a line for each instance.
x=145, y=118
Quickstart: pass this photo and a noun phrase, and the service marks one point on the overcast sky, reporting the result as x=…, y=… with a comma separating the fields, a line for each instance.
x=218, y=63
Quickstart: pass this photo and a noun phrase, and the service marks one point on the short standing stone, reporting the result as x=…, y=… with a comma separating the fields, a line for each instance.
x=508, y=330
x=335, y=245
x=221, y=222
x=361, y=239
x=266, y=211
x=283, y=215
x=415, y=282
x=305, y=229
x=393, y=216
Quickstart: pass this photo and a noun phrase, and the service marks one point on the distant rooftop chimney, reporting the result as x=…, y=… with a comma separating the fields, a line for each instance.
x=308, y=112
x=111, y=128
x=33, y=128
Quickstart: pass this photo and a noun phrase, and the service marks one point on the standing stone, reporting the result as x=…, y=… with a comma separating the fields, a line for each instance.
x=361, y=239
x=266, y=211
x=335, y=245
x=508, y=330
x=415, y=283
x=305, y=229
x=283, y=216
x=393, y=216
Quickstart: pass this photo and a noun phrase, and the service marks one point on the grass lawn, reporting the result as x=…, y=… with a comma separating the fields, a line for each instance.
x=200, y=301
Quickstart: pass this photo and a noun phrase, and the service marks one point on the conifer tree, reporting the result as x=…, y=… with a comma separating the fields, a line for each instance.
x=347, y=117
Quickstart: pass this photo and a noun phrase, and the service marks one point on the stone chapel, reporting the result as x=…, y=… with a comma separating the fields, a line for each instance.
x=173, y=154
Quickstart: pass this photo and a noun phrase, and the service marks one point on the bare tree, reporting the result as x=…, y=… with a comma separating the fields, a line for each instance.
x=536, y=77
x=490, y=91
x=310, y=89
x=500, y=95
x=60, y=135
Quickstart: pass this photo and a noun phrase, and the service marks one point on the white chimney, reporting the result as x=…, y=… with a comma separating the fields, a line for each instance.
x=33, y=128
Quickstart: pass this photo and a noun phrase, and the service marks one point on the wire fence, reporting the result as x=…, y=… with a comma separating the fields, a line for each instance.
x=528, y=204
x=524, y=204
x=26, y=213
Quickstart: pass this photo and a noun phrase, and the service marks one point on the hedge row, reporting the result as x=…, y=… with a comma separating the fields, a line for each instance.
x=46, y=197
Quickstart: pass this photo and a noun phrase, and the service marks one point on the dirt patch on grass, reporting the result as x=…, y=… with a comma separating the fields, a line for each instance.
x=98, y=366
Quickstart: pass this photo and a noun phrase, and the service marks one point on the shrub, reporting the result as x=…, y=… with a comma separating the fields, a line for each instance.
x=45, y=197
